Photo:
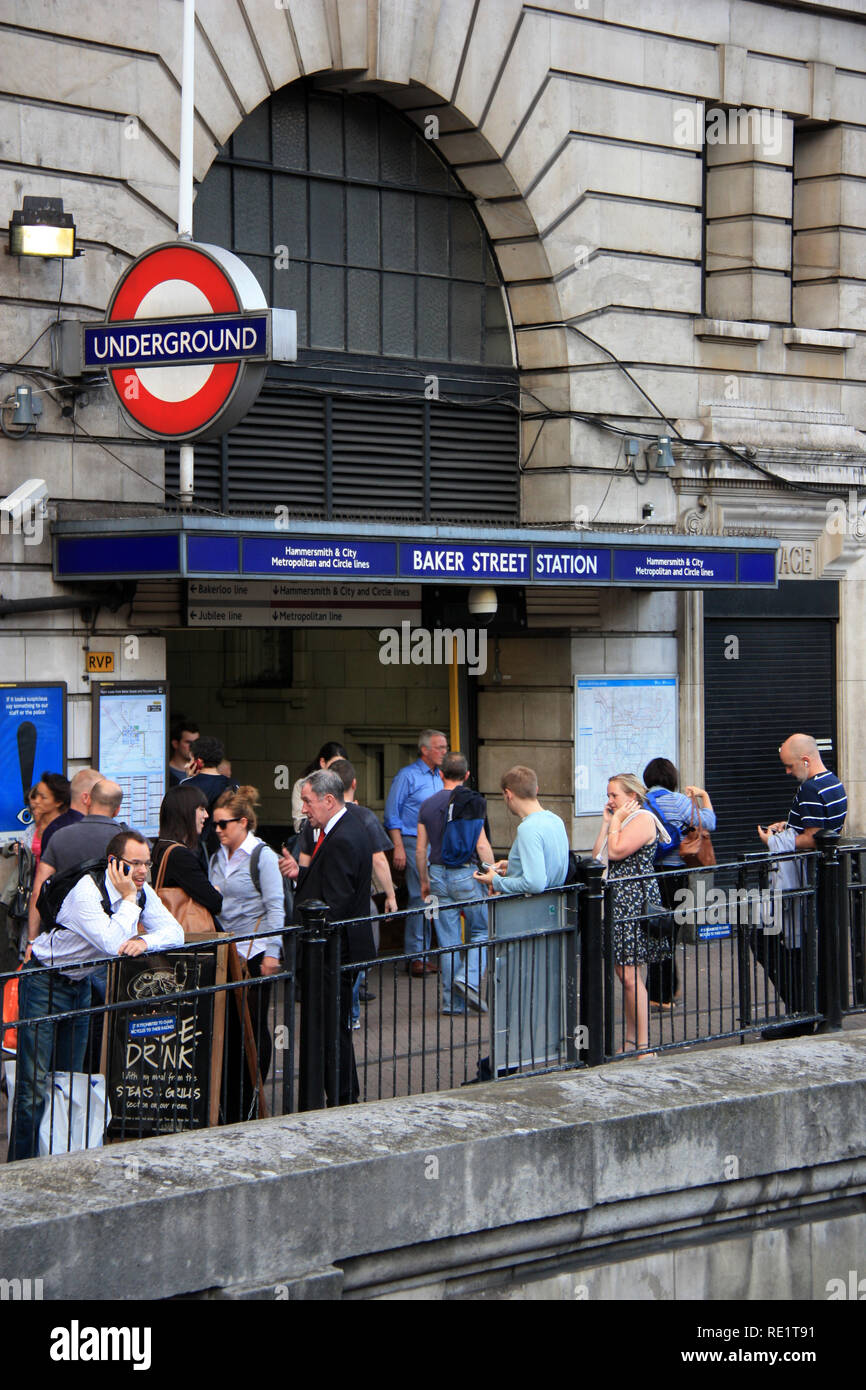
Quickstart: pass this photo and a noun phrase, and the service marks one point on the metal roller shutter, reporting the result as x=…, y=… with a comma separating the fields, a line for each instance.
x=782, y=681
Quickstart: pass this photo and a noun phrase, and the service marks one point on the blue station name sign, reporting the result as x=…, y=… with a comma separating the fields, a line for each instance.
x=329, y=555
x=171, y=342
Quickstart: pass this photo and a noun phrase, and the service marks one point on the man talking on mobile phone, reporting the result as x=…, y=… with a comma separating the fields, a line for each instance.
x=107, y=910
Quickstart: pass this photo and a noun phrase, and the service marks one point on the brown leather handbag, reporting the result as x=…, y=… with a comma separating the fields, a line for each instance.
x=696, y=847
x=192, y=916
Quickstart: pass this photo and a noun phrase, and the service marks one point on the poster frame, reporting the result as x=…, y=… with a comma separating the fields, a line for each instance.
x=98, y=689
x=14, y=832
x=613, y=677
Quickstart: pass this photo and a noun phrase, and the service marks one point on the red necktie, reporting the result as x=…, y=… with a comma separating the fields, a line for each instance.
x=318, y=845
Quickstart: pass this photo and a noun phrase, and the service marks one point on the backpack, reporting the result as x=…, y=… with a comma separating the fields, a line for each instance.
x=464, y=822
x=572, y=873
x=56, y=889
x=255, y=875
x=674, y=831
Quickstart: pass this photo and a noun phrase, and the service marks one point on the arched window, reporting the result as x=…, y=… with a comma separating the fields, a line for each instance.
x=403, y=401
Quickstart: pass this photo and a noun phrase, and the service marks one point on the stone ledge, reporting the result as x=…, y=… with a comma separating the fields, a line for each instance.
x=818, y=339
x=732, y=329
x=271, y=1202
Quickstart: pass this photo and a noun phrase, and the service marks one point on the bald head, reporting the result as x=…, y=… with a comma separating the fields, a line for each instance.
x=105, y=799
x=80, y=788
x=800, y=757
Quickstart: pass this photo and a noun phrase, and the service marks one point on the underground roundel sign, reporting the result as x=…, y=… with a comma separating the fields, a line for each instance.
x=186, y=341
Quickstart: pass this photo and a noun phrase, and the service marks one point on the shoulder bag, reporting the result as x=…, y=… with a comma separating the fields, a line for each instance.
x=192, y=916
x=696, y=847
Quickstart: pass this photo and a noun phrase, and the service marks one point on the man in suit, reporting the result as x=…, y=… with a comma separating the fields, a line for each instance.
x=338, y=874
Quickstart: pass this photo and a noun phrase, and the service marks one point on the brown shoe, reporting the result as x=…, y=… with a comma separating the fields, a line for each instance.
x=431, y=967
x=417, y=968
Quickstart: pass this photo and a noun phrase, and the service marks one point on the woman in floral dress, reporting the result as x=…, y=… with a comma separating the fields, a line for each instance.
x=627, y=841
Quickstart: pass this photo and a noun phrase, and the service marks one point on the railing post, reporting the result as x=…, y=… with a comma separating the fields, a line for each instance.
x=592, y=988
x=830, y=948
x=744, y=934
x=315, y=930
x=335, y=1042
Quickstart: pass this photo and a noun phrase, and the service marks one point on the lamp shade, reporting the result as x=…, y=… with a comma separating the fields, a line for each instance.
x=42, y=228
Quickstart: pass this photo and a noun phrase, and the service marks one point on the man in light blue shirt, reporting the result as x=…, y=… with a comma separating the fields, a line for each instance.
x=526, y=974
x=412, y=786
x=539, y=855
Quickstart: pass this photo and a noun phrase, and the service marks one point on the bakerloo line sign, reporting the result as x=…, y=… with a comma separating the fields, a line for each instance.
x=186, y=341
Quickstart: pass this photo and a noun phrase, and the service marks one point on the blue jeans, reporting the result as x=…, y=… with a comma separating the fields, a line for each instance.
x=416, y=935
x=459, y=886
x=360, y=979
x=44, y=1047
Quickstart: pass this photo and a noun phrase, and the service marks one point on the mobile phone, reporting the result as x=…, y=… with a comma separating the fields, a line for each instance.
x=488, y=867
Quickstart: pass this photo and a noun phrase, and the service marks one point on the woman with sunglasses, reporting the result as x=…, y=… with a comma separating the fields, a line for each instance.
x=182, y=817
x=253, y=908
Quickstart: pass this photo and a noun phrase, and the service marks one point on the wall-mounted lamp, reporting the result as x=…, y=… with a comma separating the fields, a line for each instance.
x=660, y=454
x=42, y=228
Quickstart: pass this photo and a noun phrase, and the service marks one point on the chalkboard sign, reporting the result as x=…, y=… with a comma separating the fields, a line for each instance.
x=163, y=1067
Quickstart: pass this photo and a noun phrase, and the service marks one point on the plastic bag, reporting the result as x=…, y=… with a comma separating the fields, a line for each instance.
x=10, y=1015
x=85, y=1129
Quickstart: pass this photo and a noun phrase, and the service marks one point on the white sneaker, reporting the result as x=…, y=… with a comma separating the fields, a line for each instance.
x=471, y=995
x=356, y=1024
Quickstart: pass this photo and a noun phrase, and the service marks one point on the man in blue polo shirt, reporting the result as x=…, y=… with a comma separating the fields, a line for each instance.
x=412, y=786
x=820, y=803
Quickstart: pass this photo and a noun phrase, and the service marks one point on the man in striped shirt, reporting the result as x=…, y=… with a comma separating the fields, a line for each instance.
x=820, y=803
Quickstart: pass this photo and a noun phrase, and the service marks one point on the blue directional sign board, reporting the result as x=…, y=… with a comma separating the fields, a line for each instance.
x=681, y=566
x=151, y=343
x=435, y=560
x=310, y=556
x=559, y=564
x=423, y=560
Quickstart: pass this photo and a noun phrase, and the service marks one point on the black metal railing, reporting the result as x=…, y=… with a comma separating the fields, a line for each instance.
x=192, y=1037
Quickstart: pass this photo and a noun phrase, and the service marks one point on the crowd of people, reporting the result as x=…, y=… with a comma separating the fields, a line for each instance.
x=90, y=899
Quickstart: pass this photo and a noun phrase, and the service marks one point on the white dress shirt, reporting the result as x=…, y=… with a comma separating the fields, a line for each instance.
x=246, y=910
x=84, y=931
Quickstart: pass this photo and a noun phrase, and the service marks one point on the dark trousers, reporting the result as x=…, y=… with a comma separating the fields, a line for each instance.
x=663, y=977
x=785, y=966
x=339, y=1049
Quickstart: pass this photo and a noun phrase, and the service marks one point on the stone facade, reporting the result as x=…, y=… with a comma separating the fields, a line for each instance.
x=725, y=311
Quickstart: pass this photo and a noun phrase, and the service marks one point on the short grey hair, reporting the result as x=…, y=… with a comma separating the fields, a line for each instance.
x=426, y=737
x=326, y=783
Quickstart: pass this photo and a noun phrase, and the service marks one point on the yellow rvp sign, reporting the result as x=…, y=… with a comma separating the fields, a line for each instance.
x=100, y=663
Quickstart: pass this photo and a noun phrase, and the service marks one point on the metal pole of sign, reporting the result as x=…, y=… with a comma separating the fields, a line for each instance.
x=184, y=197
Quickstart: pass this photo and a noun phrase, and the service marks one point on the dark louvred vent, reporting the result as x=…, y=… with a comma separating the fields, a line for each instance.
x=467, y=447
x=277, y=454
x=378, y=457
x=325, y=453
